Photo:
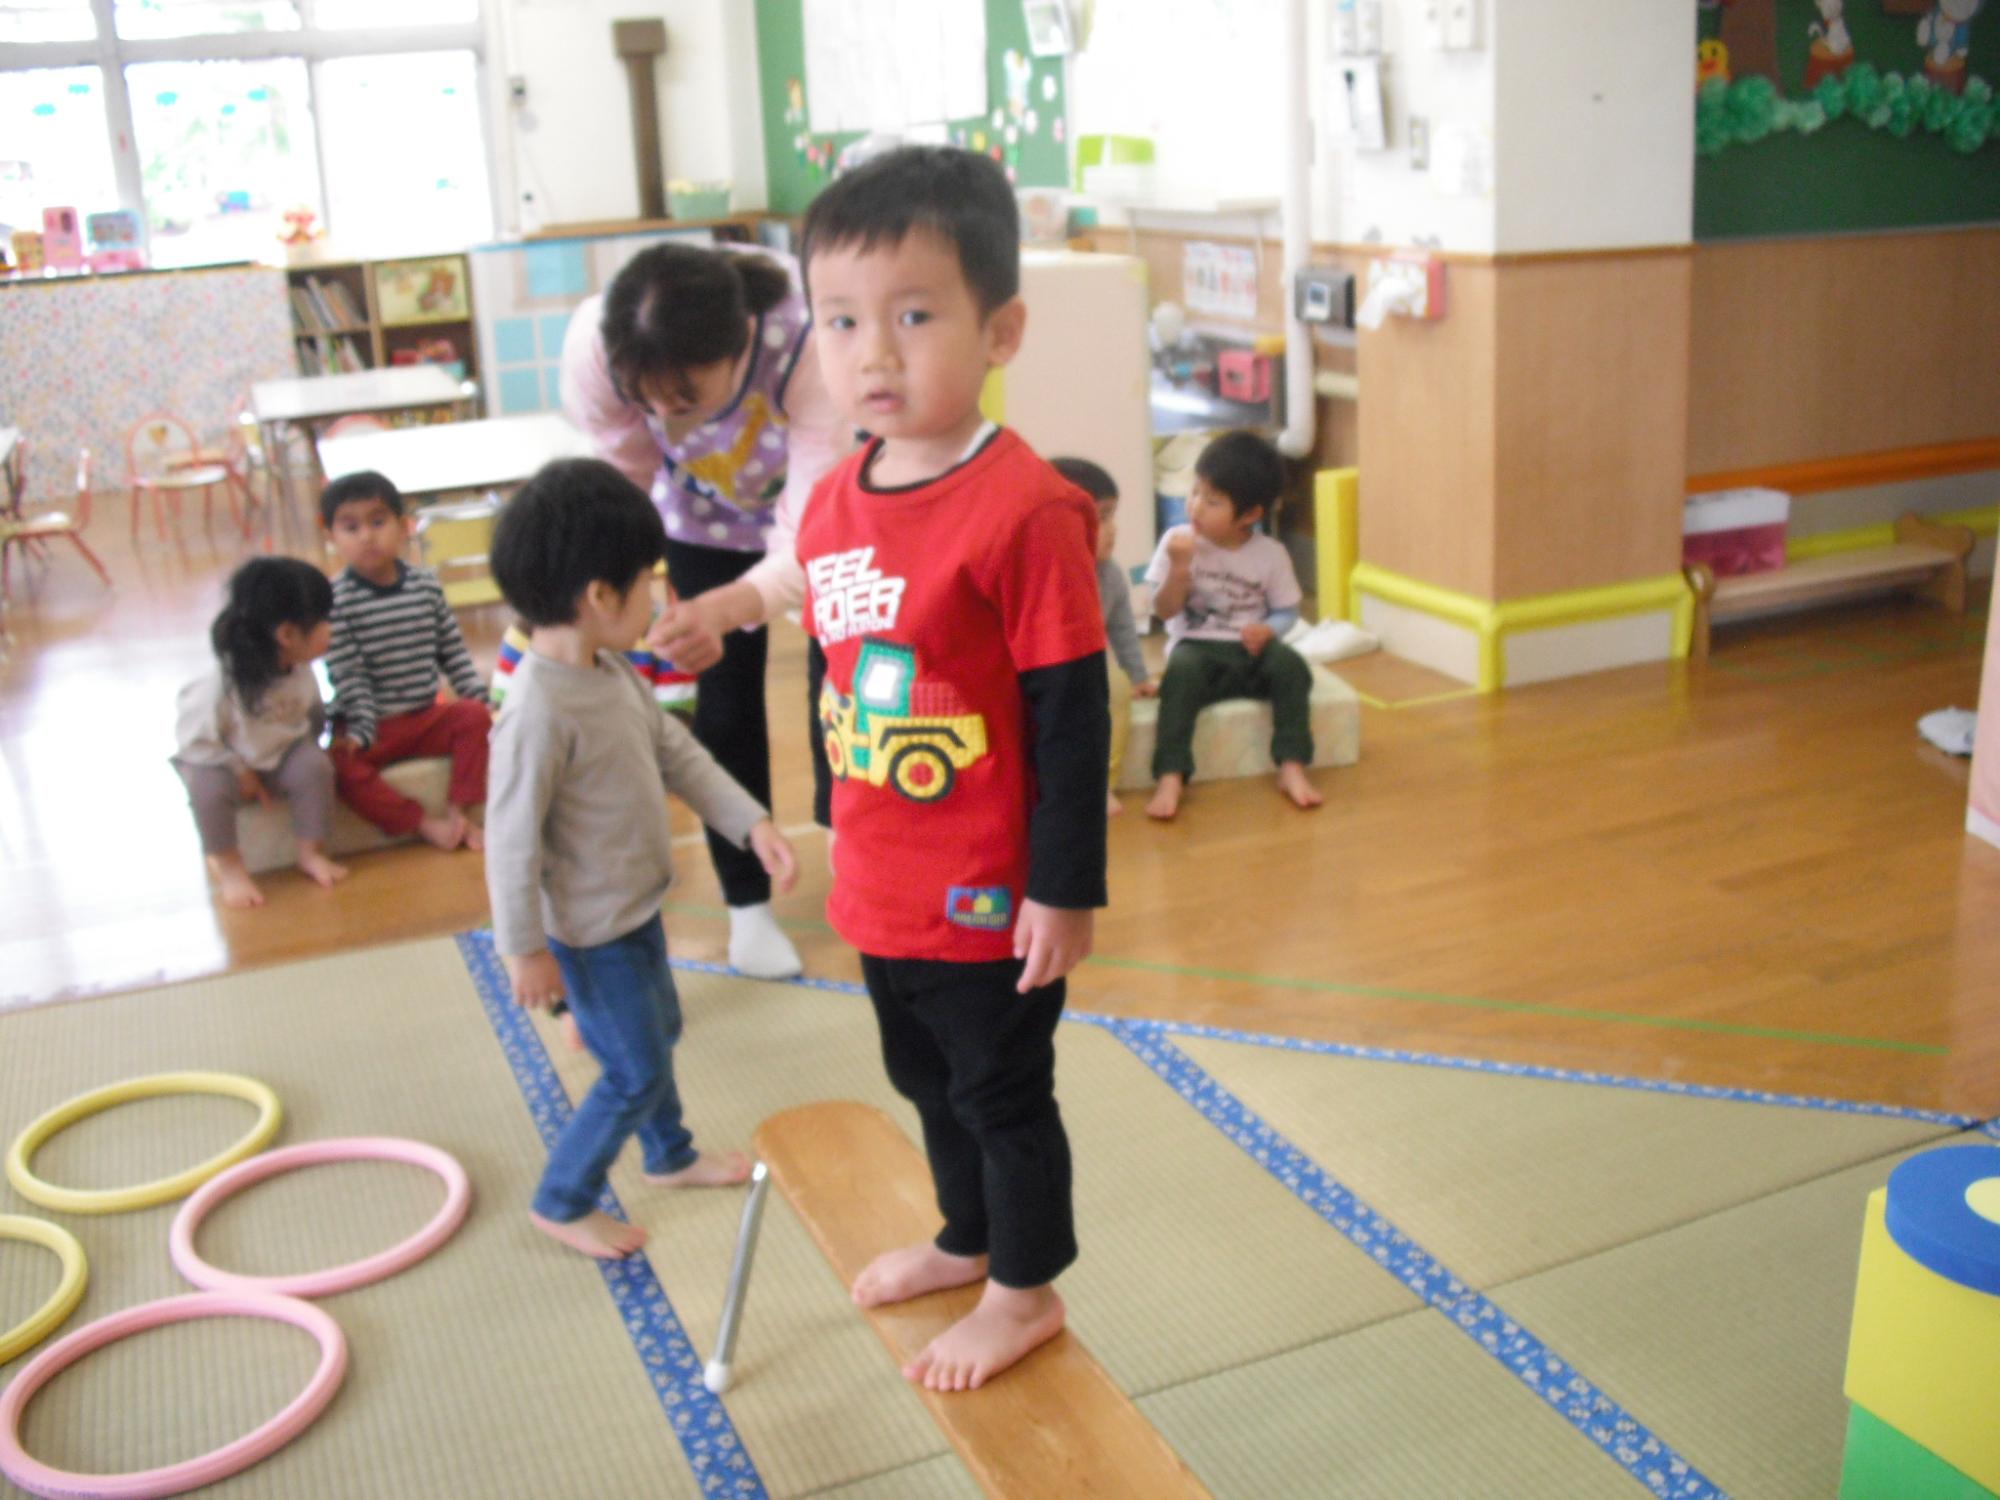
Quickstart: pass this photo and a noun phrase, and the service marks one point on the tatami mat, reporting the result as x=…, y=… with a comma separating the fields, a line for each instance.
x=498, y=1367
x=1730, y=1333
x=1692, y=1257
x=1410, y=1409
x=817, y=1401
x=1501, y=1176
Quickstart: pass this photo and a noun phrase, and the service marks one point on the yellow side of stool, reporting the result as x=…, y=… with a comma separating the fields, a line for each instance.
x=1924, y=1354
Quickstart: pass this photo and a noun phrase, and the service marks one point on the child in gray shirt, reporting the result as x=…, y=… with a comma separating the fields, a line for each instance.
x=1129, y=674
x=579, y=853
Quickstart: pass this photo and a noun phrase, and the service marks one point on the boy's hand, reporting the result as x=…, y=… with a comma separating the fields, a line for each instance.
x=685, y=636
x=1256, y=637
x=250, y=787
x=775, y=855
x=1180, y=550
x=1053, y=940
x=537, y=979
x=1147, y=689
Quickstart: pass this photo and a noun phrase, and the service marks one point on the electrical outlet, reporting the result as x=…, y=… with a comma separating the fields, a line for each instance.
x=1461, y=24
x=1431, y=15
x=1420, y=143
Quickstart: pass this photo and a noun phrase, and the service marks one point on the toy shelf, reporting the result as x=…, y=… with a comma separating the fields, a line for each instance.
x=350, y=315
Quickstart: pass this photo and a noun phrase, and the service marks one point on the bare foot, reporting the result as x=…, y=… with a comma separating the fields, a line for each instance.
x=1166, y=797
x=1007, y=1323
x=475, y=836
x=572, y=1033
x=1294, y=783
x=725, y=1170
x=313, y=860
x=595, y=1234
x=898, y=1275
x=1112, y=806
x=445, y=830
x=233, y=876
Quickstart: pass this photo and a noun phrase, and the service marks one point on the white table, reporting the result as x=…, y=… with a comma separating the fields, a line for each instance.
x=448, y=456
x=309, y=401
x=453, y=457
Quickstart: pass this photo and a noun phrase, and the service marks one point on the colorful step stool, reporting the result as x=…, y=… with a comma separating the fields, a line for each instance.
x=1882, y=1464
x=1923, y=1356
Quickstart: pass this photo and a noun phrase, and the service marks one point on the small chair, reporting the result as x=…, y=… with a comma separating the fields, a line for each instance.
x=241, y=454
x=31, y=529
x=159, y=455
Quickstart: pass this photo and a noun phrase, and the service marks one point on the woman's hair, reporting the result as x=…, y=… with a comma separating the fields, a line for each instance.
x=264, y=593
x=678, y=307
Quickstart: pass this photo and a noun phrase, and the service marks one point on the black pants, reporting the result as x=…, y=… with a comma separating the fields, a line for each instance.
x=979, y=1063
x=816, y=737
x=729, y=710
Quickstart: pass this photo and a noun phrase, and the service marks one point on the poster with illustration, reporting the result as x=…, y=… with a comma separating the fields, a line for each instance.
x=1822, y=116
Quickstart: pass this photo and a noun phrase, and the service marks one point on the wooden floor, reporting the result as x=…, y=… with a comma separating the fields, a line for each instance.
x=1752, y=874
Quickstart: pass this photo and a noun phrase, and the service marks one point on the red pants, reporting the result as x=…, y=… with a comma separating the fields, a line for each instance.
x=458, y=729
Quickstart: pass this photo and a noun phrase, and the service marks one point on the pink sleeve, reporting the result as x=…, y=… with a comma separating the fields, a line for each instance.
x=816, y=440
x=616, y=429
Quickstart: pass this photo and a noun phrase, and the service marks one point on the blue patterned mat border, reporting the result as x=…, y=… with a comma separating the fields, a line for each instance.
x=1614, y=1431
x=721, y=1464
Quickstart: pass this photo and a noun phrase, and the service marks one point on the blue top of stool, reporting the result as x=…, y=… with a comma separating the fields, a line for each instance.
x=1931, y=1222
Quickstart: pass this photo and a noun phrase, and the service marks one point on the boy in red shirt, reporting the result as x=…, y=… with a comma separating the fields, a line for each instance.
x=951, y=581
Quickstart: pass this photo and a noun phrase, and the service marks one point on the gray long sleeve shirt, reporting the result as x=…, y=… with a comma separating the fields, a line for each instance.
x=578, y=846
x=1119, y=630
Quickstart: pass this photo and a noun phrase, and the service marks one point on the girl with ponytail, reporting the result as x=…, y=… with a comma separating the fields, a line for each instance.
x=695, y=374
x=250, y=727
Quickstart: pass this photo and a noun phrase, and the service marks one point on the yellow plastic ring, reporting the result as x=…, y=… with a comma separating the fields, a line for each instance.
x=270, y=1115
x=75, y=1276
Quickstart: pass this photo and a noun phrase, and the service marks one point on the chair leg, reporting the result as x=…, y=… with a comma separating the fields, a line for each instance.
x=91, y=558
x=137, y=500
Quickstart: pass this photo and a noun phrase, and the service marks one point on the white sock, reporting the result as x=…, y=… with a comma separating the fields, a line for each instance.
x=758, y=947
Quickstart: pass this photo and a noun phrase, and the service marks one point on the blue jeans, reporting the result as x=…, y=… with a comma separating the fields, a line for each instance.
x=622, y=995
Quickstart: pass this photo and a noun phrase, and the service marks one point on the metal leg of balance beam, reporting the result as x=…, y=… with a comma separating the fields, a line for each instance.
x=716, y=1375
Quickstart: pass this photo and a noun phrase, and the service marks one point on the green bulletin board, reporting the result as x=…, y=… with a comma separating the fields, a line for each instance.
x=798, y=163
x=1775, y=165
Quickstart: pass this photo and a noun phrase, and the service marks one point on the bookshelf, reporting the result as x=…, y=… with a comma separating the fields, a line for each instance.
x=352, y=315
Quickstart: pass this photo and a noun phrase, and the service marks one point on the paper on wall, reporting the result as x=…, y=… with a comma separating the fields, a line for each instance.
x=964, y=57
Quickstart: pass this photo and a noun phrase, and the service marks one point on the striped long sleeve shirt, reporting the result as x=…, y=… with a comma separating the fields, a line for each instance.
x=390, y=645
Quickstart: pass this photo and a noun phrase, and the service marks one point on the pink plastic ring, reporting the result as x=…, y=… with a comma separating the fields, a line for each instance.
x=40, y=1479
x=457, y=1199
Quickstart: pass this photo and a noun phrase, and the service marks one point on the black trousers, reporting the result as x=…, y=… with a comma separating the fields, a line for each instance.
x=729, y=710
x=979, y=1063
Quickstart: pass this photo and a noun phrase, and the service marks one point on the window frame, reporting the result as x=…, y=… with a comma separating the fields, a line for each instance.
x=111, y=55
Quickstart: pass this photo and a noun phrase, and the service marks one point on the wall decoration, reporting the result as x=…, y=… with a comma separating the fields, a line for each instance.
x=1870, y=114
x=984, y=85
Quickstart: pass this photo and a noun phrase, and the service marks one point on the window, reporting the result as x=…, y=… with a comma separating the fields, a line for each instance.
x=55, y=147
x=405, y=159
x=340, y=15
x=175, y=18
x=224, y=149
x=236, y=109
x=46, y=21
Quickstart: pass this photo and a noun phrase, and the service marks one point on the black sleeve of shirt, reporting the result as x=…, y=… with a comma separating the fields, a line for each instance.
x=1069, y=727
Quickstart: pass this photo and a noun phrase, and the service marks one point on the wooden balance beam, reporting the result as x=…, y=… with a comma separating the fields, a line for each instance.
x=1055, y=1426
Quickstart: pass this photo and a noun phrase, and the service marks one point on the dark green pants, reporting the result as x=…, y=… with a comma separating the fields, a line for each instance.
x=1203, y=672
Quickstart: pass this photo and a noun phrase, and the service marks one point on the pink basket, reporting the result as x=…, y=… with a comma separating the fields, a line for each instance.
x=1743, y=549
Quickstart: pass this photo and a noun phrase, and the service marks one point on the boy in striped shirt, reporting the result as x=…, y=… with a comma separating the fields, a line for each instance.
x=393, y=637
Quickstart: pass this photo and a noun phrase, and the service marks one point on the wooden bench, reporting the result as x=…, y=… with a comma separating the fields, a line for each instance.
x=1926, y=556
x=1054, y=1426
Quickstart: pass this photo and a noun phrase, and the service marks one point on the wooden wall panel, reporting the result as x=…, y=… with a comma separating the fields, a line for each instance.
x=1819, y=348
x=1428, y=440
x=1592, y=421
